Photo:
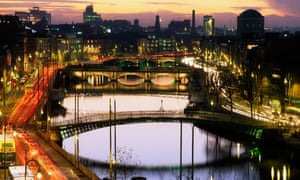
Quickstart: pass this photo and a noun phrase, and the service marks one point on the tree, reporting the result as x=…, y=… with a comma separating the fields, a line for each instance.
x=229, y=82
x=125, y=163
x=251, y=82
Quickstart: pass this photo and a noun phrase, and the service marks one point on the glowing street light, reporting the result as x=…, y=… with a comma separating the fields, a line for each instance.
x=39, y=174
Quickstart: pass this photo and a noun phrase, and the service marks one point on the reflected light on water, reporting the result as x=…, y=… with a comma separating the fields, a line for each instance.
x=125, y=103
x=156, y=144
x=153, y=145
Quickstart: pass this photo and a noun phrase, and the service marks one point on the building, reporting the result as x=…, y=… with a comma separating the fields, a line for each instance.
x=179, y=27
x=250, y=23
x=90, y=16
x=193, y=30
x=34, y=16
x=156, y=45
x=208, y=26
x=157, y=25
x=10, y=29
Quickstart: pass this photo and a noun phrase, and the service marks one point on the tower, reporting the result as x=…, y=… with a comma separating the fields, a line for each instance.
x=193, y=22
x=157, y=25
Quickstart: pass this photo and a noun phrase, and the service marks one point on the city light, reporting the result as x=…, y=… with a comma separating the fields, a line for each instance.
x=171, y=68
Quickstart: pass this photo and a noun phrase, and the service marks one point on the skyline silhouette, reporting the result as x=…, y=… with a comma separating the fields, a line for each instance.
x=225, y=12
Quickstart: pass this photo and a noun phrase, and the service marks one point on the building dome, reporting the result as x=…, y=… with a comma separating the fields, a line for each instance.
x=250, y=13
x=250, y=23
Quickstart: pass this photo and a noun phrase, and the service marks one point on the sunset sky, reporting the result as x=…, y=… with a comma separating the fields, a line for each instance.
x=277, y=12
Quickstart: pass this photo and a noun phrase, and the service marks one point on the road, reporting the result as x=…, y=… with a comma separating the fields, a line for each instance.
x=19, y=114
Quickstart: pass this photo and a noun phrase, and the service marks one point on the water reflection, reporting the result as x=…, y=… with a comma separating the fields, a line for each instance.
x=208, y=147
x=155, y=149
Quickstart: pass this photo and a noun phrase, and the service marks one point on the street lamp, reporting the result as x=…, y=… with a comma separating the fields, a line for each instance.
x=33, y=163
x=4, y=90
x=28, y=162
x=287, y=82
x=39, y=174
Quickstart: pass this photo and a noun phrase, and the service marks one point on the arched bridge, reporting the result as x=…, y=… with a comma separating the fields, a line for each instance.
x=218, y=123
x=105, y=78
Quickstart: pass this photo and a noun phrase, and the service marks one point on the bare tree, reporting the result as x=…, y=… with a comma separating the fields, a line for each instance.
x=125, y=163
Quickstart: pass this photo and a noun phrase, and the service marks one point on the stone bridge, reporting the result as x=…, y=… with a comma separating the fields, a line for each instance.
x=105, y=78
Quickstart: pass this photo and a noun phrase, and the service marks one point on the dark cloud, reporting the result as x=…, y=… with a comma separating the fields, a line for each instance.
x=242, y=8
x=290, y=7
x=43, y=5
x=165, y=3
x=54, y=1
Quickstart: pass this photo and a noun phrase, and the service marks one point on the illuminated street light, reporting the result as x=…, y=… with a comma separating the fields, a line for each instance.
x=212, y=104
x=39, y=174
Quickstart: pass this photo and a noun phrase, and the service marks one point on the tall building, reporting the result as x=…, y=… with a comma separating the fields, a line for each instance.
x=136, y=24
x=34, y=16
x=209, y=26
x=90, y=16
x=157, y=25
x=193, y=30
x=250, y=23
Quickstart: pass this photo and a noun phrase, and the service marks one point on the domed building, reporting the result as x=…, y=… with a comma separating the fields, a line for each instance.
x=250, y=23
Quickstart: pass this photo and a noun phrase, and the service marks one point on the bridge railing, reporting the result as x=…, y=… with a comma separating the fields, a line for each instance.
x=98, y=117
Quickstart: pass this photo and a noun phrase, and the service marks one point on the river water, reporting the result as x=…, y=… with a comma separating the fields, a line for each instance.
x=157, y=146
x=158, y=150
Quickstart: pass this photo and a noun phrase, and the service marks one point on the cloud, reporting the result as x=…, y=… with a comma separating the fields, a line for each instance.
x=25, y=5
x=288, y=7
x=55, y=1
x=282, y=21
x=242, y=8
x=165, y=3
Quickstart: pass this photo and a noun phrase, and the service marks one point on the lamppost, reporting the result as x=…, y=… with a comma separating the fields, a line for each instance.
x=115, y=141
x=3, y=91
x=112, y=160
x=30, y=161
x=287, y=82
x=76, y=134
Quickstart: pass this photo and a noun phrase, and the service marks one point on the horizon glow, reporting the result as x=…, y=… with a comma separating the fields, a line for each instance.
x=67, y=11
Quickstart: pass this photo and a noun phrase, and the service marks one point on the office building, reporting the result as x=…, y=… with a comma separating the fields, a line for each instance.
x=208, y=26
x=34, y=16
x=90, y=16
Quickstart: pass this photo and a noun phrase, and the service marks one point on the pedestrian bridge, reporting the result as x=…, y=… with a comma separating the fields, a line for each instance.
x=212, y=121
